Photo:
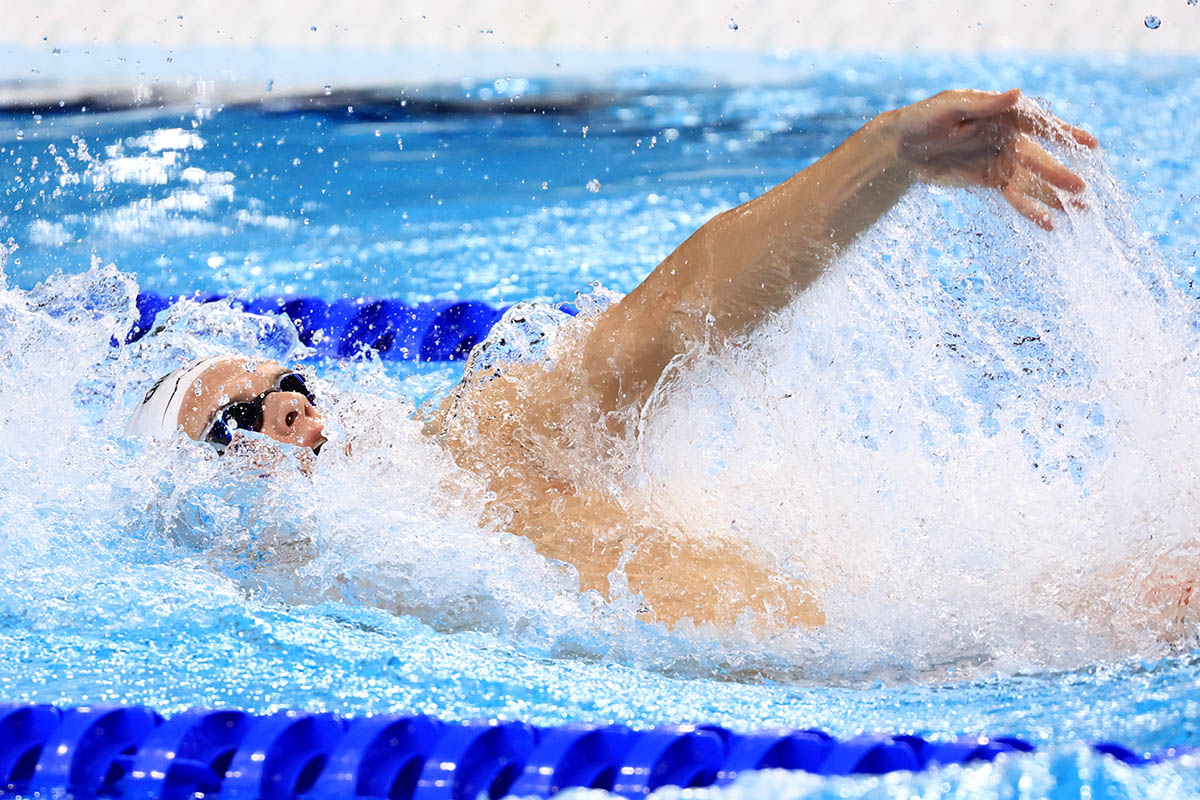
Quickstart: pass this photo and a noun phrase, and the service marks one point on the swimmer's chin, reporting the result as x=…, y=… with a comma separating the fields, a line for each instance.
x=347, y=448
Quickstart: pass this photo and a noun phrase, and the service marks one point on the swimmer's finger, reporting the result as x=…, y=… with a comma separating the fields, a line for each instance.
x=1027, y=206
x=1033, y=157
x=1081, y=136
x=1033, y=186
x=1036, y=122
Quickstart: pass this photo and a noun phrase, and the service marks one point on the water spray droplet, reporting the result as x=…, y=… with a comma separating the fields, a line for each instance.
x=328, y=89
x=313, y=28
x=1152, y=22
x=733, y=26
x=593, y=185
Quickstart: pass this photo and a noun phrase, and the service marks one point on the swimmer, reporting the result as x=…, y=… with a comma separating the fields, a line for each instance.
x=527, y=431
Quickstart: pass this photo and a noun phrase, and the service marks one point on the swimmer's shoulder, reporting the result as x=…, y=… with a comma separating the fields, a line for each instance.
x=491, y=406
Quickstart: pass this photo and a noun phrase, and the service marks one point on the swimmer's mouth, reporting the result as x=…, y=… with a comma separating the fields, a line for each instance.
x=317, y=447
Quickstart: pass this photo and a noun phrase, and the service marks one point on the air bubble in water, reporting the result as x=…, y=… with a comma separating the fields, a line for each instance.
x=593, y=185
x=1152, y=22
x=733, y=26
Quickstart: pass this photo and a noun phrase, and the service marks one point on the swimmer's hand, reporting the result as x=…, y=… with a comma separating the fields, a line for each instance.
x=965, y=137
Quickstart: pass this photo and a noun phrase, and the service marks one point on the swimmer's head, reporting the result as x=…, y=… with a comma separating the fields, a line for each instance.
x=212, y=397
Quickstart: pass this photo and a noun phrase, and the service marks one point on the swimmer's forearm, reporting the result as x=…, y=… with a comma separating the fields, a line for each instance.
x=764, y=252
x=746, y=263
x=712, y=581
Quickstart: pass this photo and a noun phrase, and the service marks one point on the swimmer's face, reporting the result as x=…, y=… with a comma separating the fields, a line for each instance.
x=288, y=417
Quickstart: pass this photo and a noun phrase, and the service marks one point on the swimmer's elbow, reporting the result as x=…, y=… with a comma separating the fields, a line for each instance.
x=801, y=608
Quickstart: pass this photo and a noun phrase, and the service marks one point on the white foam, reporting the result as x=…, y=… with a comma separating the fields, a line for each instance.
x=960, y=492
x=978, y=444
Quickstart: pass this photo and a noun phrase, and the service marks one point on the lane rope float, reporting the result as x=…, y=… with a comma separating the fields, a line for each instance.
x=440, y=330
x=134, y=752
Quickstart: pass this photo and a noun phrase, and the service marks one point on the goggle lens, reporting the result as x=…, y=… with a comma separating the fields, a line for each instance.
x=248, y=416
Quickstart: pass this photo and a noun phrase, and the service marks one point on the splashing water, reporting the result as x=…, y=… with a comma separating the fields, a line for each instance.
x=974, y=440
x=980, y=444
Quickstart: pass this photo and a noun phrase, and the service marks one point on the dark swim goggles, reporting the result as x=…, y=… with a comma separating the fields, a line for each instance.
x=248, y=415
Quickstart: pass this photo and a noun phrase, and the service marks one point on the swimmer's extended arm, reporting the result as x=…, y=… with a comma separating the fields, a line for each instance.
x=751, y=261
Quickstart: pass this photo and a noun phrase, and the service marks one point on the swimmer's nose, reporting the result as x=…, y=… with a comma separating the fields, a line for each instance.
x=311, y=427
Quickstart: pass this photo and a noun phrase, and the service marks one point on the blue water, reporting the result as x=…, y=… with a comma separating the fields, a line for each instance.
x=143, y=574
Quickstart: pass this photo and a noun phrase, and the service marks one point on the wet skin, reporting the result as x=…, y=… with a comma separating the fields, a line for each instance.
x=288, y=417
x=527, y=433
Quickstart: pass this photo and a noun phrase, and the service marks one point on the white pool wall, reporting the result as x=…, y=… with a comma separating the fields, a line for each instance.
x=614, y=25
x=50, y=46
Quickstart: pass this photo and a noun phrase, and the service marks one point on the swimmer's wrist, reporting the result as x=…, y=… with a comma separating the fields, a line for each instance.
x=884, y=132
x=861, y=180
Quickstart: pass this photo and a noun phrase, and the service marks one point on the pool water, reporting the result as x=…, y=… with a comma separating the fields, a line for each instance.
x=980, y=439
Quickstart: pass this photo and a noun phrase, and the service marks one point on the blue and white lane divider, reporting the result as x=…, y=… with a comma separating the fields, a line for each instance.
x=442, y=330
x=133, y=752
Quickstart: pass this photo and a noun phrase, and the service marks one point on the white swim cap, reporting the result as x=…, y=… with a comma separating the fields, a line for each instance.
x=158, y=413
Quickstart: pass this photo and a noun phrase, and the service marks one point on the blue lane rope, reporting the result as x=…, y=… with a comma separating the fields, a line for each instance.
x=133, y=752
x=442, y=330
